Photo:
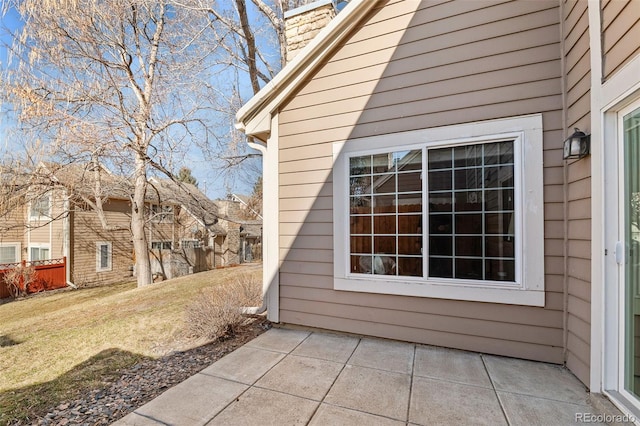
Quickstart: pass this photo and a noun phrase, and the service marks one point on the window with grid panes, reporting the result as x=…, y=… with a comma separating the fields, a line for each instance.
x=431, y=213
x=470, y=193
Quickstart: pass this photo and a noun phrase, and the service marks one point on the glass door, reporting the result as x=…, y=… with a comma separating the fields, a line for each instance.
x=631, y=235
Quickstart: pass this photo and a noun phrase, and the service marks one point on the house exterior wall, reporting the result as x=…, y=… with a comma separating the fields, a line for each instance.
x=620, y=34
x=87, y=231
x=578, y=189
x=409, y=66
x=12, y=226
x=47, y=231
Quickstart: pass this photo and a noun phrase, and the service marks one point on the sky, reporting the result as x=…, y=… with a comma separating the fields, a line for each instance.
x=210, y=180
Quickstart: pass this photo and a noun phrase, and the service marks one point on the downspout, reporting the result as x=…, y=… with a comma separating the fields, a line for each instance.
x=565, y=194
x=271, y=225
x=257, y=310
x=66, y=245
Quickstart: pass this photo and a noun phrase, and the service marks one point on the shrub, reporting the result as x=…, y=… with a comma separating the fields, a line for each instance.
x=217, y=312
x=19, y=279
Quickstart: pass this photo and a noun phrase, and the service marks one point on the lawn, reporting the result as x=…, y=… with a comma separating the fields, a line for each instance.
x=54, y=346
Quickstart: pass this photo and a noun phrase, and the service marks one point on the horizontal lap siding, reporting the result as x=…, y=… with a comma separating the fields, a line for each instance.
x=578, y=230
x=620, y=34
x=456, y=62
x=88, y=231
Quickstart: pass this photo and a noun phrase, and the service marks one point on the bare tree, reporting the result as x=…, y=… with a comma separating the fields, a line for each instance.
x=128, y=85
x=252, y=35
x=125, y=80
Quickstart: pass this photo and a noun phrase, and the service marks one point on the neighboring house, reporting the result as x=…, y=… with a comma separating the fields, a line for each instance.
x=183, y=224
x=243, y=242
x=61, y=220
x=415, y=186
x=184, y=219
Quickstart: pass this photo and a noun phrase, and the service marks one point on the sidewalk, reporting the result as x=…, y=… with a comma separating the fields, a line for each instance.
x=294, y=377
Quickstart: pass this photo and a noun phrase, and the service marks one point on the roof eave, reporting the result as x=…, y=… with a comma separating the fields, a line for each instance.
x=254, y=118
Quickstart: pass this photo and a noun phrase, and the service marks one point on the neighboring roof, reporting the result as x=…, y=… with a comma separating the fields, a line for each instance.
x=245, y=199
x=166, y=191
x=251, y=229
x=254, y=118
x=81, y=179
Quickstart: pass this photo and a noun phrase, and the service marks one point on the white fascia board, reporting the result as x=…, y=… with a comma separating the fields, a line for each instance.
x=254, y=118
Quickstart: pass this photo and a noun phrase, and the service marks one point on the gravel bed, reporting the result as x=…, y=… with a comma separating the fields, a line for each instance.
x=143, y=382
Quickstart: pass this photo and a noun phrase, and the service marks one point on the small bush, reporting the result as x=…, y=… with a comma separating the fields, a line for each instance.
x=217, y=312
x=19, y=279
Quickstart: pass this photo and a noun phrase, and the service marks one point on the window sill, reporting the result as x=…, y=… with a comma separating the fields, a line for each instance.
x=435, y=290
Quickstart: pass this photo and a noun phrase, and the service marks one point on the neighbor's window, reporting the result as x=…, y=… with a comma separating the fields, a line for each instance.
x=161, y=213
x=161, y=245
x=40, y=207
x=9, y=252
x=103, y=256
x=446, y=217
x=39, y=252
x=190, y=243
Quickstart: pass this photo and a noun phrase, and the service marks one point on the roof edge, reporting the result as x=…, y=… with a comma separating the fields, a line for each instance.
x=288, y=79
x=306, y=8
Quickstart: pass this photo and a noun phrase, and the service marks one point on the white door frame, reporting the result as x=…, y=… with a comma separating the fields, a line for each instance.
x=614, y=277
x=619, y=96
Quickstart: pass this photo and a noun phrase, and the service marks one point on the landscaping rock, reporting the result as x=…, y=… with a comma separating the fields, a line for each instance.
x=143, y=382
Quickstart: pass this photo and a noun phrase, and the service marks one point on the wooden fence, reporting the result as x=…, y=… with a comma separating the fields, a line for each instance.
x=49, y=275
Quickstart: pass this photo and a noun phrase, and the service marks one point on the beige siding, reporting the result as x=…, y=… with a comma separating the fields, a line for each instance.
x=620, y=34
x=578, y=189
x=456, y=62
x=12, y=226
x=50, y=231
x=87, y=231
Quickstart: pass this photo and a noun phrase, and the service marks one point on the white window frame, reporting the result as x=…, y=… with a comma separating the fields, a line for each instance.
x=528, y=288
x=161, y=243
x=38, y=246
x=99, y=267
x=34, y=215
x=17, y=247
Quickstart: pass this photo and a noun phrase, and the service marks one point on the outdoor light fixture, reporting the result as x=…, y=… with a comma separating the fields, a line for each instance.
x=578, y=145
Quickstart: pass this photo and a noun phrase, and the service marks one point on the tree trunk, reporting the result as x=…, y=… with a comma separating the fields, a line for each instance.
x=140, y=246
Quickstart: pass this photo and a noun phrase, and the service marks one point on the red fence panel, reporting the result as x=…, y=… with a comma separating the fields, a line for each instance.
x=49, y=274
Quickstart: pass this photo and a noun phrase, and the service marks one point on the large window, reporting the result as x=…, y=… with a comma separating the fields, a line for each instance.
x=430, y=214
x=470, y=208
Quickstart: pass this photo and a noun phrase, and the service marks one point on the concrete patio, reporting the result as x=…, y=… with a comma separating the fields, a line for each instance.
x=296, y=377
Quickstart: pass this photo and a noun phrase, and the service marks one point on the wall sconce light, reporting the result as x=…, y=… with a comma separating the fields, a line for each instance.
x=578, y=145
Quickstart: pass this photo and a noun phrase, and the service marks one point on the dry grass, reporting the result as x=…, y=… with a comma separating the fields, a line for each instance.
x=86, y=335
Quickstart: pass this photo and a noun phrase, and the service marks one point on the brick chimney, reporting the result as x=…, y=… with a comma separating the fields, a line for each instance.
x=304, y=22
